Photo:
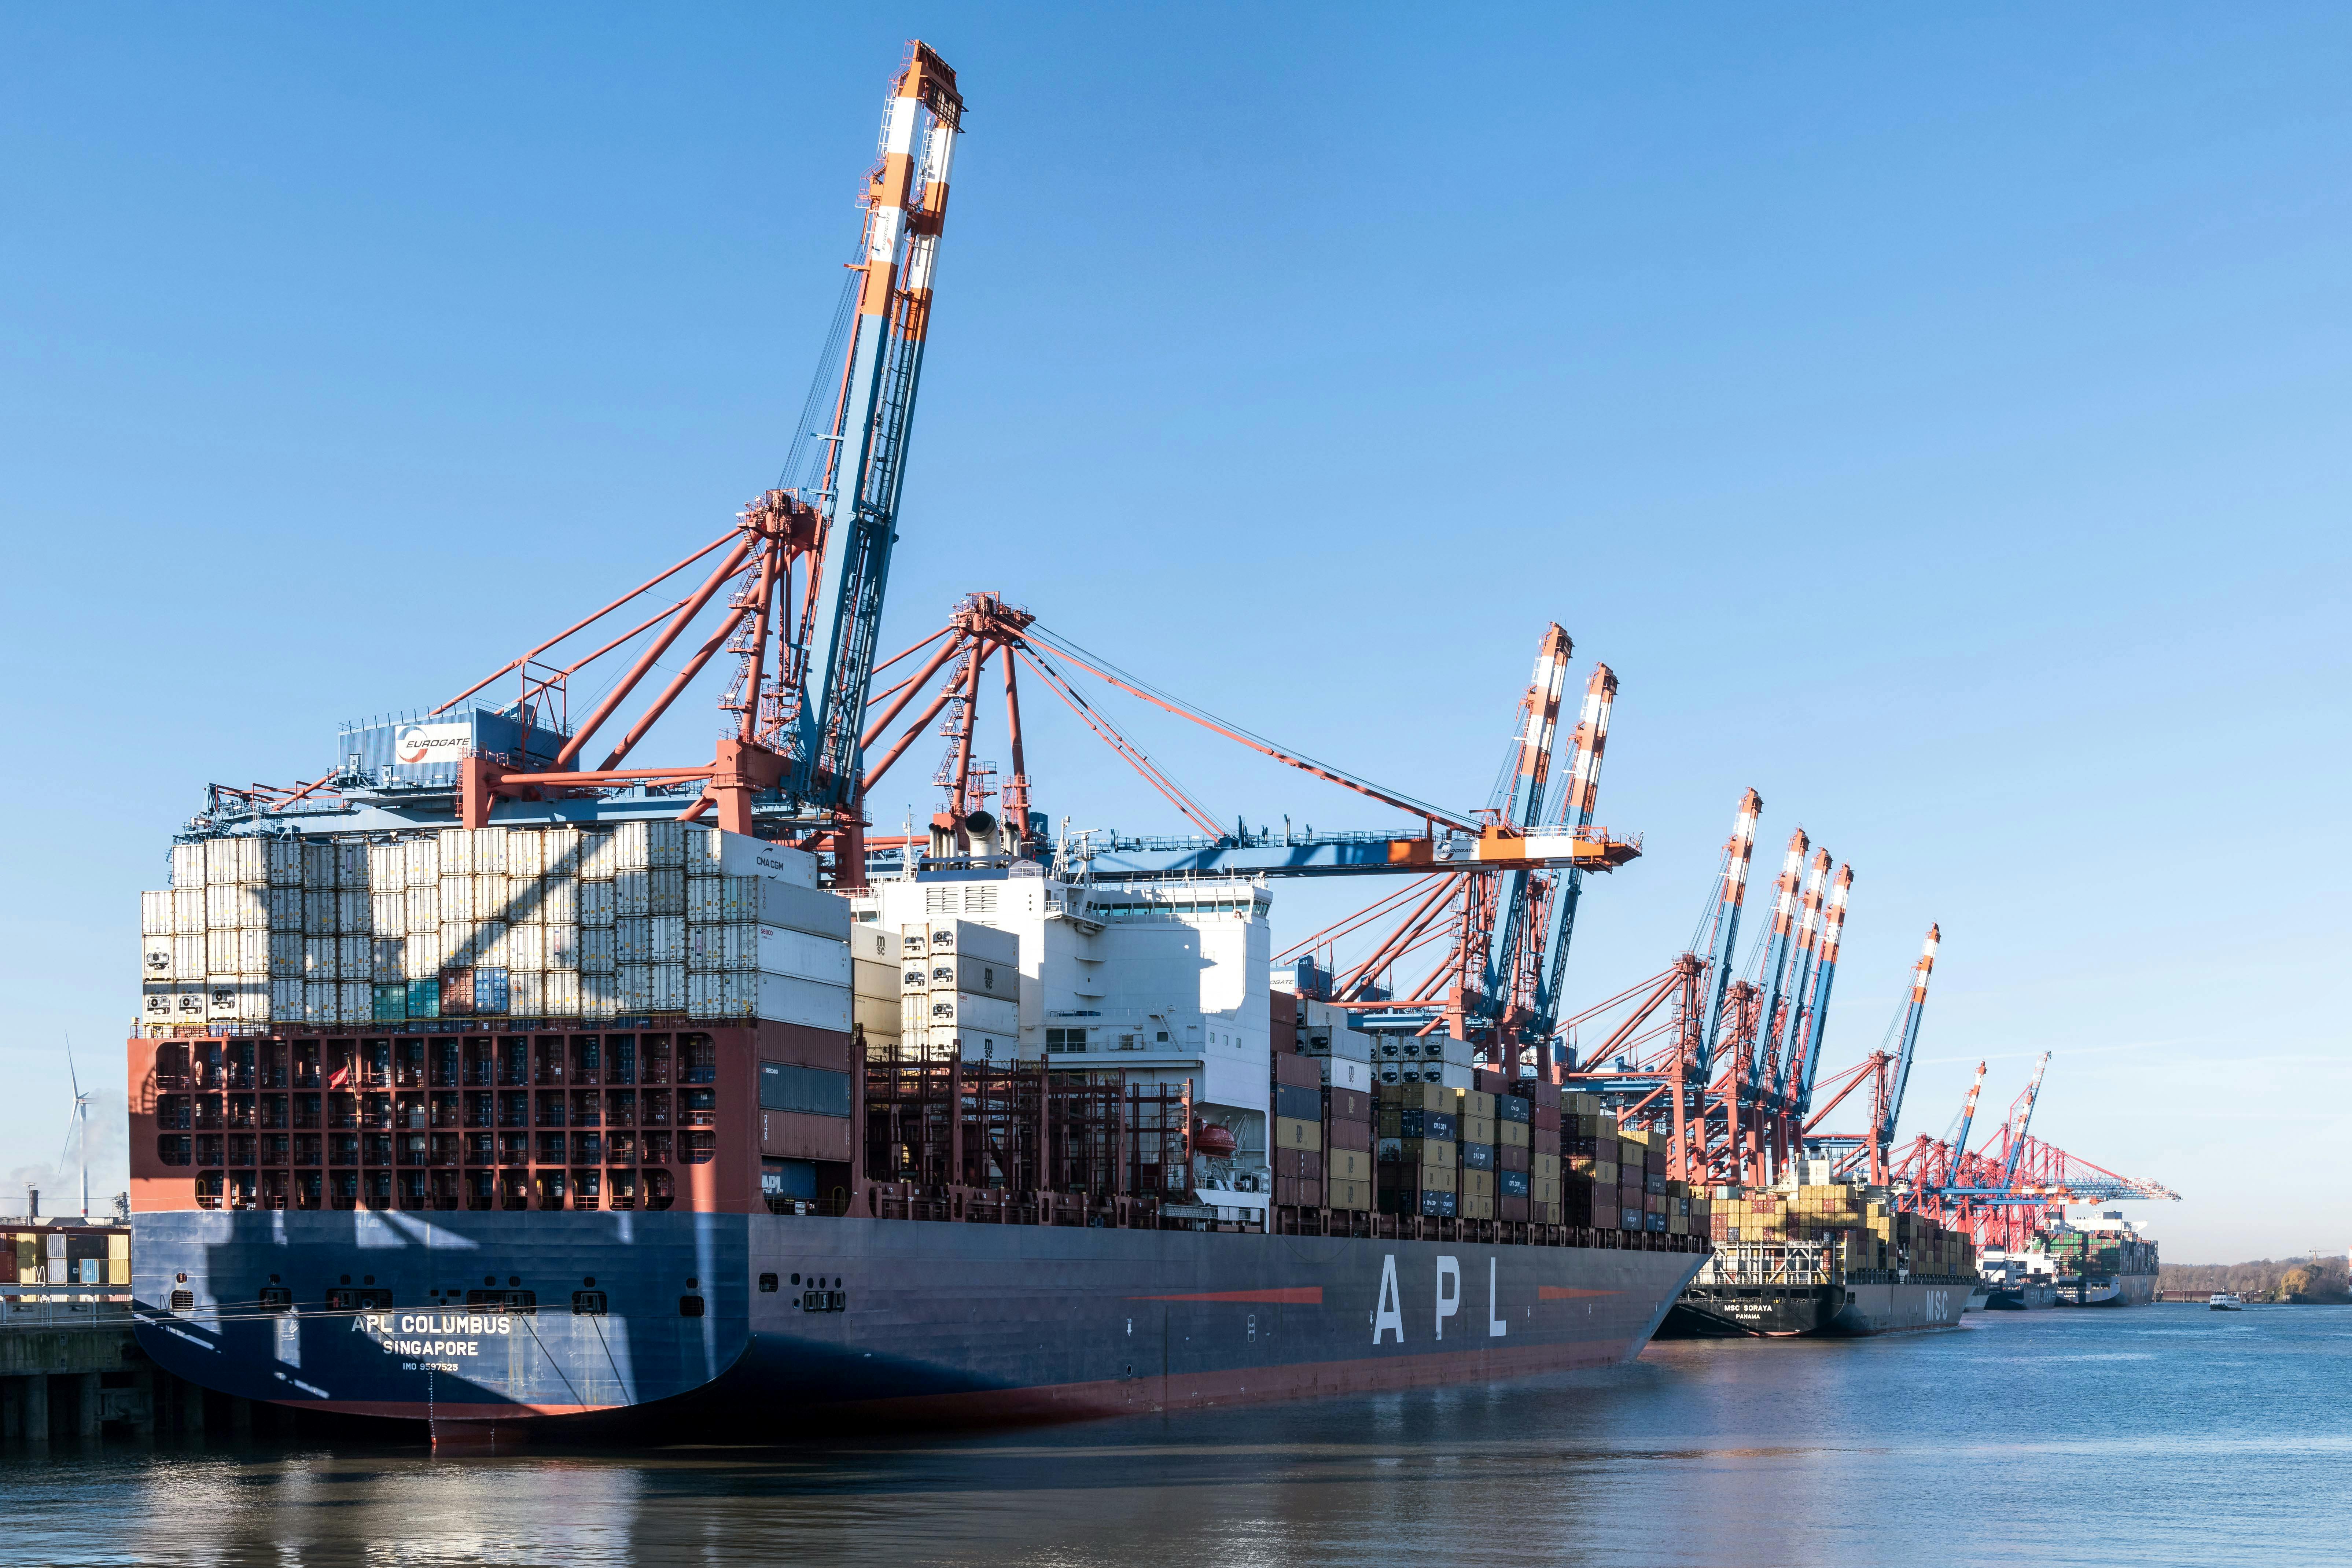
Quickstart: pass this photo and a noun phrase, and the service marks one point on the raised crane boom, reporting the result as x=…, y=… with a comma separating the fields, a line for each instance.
x=1885, y=1131
x=906, y=206
x=1575, y=808
x=2021, y=1120
x=1824, y=972
x=1738, y=855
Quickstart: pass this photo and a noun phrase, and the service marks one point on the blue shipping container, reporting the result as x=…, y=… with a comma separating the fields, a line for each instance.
x=424, y=998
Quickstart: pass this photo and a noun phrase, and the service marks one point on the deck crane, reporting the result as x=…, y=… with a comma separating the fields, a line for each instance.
x=1520, y=897
x=1824, y=972
x=1738, y=855
x=1789, y=1024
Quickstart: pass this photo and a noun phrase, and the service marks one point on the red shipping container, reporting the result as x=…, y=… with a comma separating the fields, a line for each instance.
x=1338, y=1135
x=1545, y=1096
x=1310, y=1194
x=1285, y=1192
x=1346, y=1105
x=1511, y=1208
x=1310, y=1165
x=1544, y=1143
x=1282, y=1022
x=1510, y=1157
x=1297, y=1071
x=1544, y=1118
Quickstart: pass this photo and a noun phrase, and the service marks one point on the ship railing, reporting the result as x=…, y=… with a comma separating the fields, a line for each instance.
x=1766, y=1263
x=65, y=1307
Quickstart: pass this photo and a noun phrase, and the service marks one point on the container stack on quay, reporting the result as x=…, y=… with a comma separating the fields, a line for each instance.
x=636, y=919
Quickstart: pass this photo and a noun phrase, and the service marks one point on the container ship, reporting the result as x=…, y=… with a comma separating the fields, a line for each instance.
x=481, y=1084
x=2112, y=1265
x=1826, y=1258
x=1087, y=1159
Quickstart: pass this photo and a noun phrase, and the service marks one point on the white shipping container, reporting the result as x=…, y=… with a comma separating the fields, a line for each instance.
x=317, y=912
x=559, y=947
x=351, y=859
x=456, y=852
x=596, y=906
x=220, y=954
x=633, y=893
x=228, y=861
x=423, y=908
x=559, y=900
x=490, y=944
x=158, y=1000
x=354, y=911
x=187, y=865
x=284, y=906
x=636, y=987
x=600, y=995
x=387, y=867
x=489, y=894
x=1347, y=1072
x=237, y=1000
x=190, y=957
x=633, y=939
x=284, y=957
x=668, y=939
x=944, y=936
x=668, y=987
x=715, y=852
x=526, y=948
x=354, y=1002
x=559, y=852
x=873, y=942
x=789, y=999
x=869, y=977
x=778, y=950
x=387, y=913
x=155, y=958
x=233, y=905
x=637, y=846
x=322, y=1001
x=524, y=997
x=188, y=910
x=319, y=958
x=456, y=894
x=155, y=913
x=457, y=945
x=282, y=862
x=810, y=910
x=287, y=998
x=597, y=863
x=388, y=960
x=878, y=1017
x=523, y=853
x=317, y=871
x=963, y=1011
x=665, y=890
x=914, y=1013
x=706, y=948
x=424, y=861
x=490, y=850
x=715, y=993
x=595, y=950
x=526, y=897
x=560, y=993
x=354, y=957
x=714, y=901
x=420, y=955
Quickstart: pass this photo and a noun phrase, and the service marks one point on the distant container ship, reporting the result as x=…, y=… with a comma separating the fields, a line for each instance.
x=2112, y=1265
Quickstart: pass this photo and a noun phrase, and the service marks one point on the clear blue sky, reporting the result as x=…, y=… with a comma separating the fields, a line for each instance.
x=1937, y=419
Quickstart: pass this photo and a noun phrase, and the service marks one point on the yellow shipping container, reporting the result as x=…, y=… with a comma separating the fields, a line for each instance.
x=1544, y=1189
x=1514, y=1134
x=1348, y=1194
x=1544, y=1165
x=1348, y=1165
x=1475, y=1102
x=1297, y=1132
x=1478, y=1184
x=1477, y=1208
x=1478, y=1128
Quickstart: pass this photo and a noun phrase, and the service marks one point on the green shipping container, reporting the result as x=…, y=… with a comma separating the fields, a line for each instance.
x=392, y=1003
x=424, y=998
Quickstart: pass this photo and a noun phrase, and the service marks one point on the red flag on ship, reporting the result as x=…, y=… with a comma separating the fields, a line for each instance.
x=340, y=1078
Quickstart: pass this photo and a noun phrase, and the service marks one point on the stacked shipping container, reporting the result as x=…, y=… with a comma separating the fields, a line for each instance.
x=959, y=997
x=636, y=919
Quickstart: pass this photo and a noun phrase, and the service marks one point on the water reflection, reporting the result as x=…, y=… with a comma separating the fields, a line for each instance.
x=2084, y=1437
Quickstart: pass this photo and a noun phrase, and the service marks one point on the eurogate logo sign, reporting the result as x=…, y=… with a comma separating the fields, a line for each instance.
x=415, y=744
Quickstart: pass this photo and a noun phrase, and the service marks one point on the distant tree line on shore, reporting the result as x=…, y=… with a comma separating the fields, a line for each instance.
x=2311, y=1278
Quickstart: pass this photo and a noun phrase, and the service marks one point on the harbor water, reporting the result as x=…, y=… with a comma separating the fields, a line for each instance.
x=2152, y=1434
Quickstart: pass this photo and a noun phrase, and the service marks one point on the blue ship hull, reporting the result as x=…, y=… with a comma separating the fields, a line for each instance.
x=902, y=1321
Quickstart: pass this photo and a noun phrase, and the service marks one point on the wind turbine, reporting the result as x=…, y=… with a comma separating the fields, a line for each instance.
x=77, y=1129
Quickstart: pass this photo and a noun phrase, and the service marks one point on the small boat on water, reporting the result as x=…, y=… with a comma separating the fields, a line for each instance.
x=2226, y=1301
